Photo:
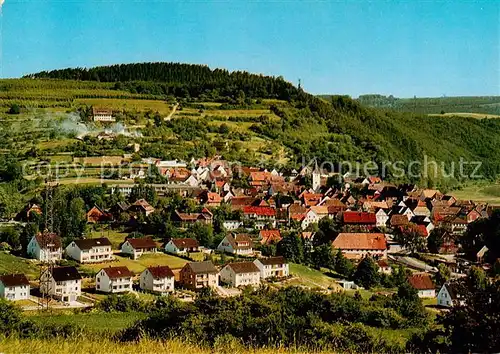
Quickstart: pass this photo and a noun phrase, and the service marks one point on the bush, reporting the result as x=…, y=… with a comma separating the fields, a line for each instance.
x=14, y=109
x=122, y=303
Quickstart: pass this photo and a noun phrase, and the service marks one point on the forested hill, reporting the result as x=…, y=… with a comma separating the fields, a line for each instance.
x=181, y=80
x=334, y=129
x=433, y=105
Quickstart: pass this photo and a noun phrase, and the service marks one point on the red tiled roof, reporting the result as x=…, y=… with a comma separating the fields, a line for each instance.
x=14, y=280
x=272, y=260
x=185, y=243
x=360, y=241
x=259, y=210
x=160, y=272
x=354, y=217
x=422, y=230
x=268, y=236
x=243, y=267
x=138, y=243
x=118, y=272
x=48, y=240
x=421, y=281
x=399, y=220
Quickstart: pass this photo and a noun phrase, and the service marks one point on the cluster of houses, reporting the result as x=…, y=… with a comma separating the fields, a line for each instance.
x=65, y=283
x=266, y=202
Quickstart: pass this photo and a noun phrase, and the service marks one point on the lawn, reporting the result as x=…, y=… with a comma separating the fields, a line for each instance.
x=487, y=193
x=311, y=277
x=114, y=236
x=94, y=321
x=140, y=264
x=11, y=264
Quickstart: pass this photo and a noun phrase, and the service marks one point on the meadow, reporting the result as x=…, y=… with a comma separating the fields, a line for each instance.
x=12, y=264
x=93, y=322
x=84, y=346
x=480, y=192
x=137, y=266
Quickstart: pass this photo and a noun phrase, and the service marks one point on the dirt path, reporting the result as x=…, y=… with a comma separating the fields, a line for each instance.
x=171, y=113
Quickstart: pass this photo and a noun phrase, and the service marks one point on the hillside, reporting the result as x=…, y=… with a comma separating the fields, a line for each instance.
x=481, y=106
x=261, y=118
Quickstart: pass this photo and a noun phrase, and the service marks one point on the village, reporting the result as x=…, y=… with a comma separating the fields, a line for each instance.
x=373, y=218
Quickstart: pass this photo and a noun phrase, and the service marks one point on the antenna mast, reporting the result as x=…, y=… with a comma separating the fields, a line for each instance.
x=46, y=264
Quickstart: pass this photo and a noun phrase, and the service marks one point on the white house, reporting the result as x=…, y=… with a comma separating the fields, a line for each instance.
x=311, y=218
x=158, y=279
x=92, y=250
x=102, y=115
x=136, y=247
x=240, y=274
x=62, y=283
x=448, y=296
x=240, y=244
x=45, y=247
x=182, y=245
x=232, y=225
x=114, y=280
x=271, y=267
x=423, y=283
x=382, y=218
x=14, y=287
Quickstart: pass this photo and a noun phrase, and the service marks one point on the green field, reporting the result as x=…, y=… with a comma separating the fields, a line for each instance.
x=127, y=104
x=11, y=264
x=99, y=345
x=114, y=236
x=140, y=264
x=310, y=277
x=98, y=321
x=486, y=193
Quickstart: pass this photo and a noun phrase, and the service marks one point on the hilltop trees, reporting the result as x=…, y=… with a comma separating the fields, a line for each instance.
x=181, y=80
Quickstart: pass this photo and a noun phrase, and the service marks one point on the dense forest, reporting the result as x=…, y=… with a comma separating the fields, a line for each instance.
x=180, y=80
x=334, y=128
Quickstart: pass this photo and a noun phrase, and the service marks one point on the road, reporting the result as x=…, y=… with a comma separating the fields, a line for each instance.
x=171, y=113
x=414, y=263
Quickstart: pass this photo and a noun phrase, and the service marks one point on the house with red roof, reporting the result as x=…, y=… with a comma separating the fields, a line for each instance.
x=240, y=244
x=114, y=280
x=261, y=215
x=136, y=247
x=98, y=215
x=210, y=198
x=187, y=219
x=269, y=236
x=359, y=218
x=158, y=279
x=359, y=245
x=182, y=245
x=423, y=283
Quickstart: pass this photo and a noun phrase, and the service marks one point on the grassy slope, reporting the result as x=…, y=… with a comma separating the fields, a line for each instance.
x=62, y=346
x=12, y=264
x=310, y=277
x=112, y=322
x=142, y=263
x=489, y=193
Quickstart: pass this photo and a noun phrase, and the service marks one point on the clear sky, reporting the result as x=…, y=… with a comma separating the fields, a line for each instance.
x=404, y=48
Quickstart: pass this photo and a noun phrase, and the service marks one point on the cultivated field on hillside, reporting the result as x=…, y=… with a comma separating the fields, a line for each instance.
x=488, y=193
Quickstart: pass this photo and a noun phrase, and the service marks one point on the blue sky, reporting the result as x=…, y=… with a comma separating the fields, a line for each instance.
x=402, y=48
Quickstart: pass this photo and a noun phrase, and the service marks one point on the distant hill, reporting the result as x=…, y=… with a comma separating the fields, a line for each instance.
x=436, y=105
x=180, y=80
x=330, y=128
